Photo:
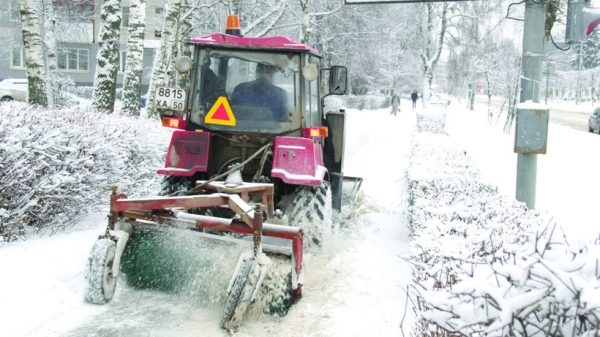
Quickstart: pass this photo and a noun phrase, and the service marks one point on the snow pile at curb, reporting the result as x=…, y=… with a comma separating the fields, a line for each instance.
x=485, y=264
x=56, y=164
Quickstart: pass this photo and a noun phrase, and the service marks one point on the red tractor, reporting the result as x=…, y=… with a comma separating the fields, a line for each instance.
x=253, y=154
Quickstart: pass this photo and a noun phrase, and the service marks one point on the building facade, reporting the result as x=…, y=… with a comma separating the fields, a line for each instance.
x=76, y=31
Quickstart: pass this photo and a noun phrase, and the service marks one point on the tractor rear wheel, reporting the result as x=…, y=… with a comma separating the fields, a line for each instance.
x=311, y=209
x=240, y=294
x=100, y=283
x=174, y=185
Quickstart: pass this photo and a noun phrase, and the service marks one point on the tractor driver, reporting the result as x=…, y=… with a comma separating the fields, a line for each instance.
x=262, y=93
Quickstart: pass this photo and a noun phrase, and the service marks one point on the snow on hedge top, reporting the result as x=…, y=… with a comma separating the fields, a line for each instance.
x=56, y=164
x=484, y=263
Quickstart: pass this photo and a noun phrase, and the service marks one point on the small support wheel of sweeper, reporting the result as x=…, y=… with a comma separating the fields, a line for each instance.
x=240, y=295
x=100, y=282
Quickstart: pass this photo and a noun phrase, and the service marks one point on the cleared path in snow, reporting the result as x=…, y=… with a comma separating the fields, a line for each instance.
x=354, y=286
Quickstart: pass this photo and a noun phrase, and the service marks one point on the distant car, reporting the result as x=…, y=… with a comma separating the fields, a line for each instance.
x=594, y=121
x=13, y=89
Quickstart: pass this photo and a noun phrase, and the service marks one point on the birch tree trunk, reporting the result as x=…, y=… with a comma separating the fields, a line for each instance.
x=174, y=47
x=305, y=26
x=135, y=56
x=432, y=49
x=50, y=41
x=162, y=56
x=105, y=81
x=185, y=25
x=32, y=45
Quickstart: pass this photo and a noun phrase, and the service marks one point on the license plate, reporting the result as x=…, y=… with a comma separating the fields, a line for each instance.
x=170, y=98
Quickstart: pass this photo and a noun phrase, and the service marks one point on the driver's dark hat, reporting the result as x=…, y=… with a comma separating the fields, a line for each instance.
x=265, y=69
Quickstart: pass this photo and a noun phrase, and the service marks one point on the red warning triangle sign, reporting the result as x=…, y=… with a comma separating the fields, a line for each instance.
x=220, y=113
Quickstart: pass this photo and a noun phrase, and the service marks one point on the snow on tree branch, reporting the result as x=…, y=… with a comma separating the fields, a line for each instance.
x=277, y=11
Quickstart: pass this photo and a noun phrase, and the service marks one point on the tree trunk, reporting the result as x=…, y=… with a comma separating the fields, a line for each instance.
x=185, y=26
x=32, y=45
x=50, y=40
x=305, y=27
x=159, y=67
x=432, y=49
x=135, y=56
x=105, y=82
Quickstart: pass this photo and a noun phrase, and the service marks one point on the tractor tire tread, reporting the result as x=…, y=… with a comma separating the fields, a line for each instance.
x=311, y=209
x=170, y=185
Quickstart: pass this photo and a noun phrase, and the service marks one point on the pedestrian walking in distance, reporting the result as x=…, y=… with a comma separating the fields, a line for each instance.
x=395, y=104
x=414, y=97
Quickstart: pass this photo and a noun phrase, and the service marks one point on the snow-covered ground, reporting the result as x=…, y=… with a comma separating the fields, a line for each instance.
x=566, y=182
x=354, y=286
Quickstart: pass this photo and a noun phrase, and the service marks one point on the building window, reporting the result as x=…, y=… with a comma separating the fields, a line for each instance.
x=18, y=58
x=122, y=60
x=125, y=17
x=158, y=10
x=73, y=59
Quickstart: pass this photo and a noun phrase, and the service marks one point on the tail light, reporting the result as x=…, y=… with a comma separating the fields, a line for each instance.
x=315, y=132
x=171, y=122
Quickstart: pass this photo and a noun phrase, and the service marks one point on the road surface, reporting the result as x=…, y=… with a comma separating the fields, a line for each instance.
x=577, y=120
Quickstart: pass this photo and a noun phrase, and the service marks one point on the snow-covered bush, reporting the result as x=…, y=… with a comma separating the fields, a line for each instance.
x=84, y=91
x=63, y=88
x=57, y=164
x=366, y=102
x=87, y=92
x=485, y=264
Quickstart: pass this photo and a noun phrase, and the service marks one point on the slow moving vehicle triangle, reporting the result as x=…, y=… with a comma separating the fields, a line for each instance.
x=220, y=113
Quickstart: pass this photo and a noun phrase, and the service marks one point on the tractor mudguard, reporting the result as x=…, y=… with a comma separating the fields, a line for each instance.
x=188, y=153
x=298, y=161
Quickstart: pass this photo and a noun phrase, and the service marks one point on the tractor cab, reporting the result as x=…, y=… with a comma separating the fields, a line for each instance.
x=255, y=85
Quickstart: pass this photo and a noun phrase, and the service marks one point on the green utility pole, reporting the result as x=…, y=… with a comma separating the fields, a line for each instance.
x=531, y=79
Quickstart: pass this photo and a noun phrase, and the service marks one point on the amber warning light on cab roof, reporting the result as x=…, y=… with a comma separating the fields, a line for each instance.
x=233, y=25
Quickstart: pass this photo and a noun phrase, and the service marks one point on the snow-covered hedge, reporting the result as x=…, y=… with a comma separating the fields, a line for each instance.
x=365, y=102
x=485, y=264
x=87, y=92
x=55, y=165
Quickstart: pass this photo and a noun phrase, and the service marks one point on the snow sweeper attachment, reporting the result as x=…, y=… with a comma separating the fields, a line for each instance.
x=131, y=219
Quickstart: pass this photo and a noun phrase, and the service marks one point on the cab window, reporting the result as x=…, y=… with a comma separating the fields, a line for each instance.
x=313, y=117
x=260, y=88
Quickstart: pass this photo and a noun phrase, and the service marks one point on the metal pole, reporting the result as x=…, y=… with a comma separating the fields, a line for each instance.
x=579, y=66
x=547, y=77
x=533, y=53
